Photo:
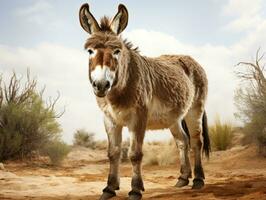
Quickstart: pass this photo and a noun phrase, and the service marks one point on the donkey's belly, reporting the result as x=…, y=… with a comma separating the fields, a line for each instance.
x=160, y=123
x=160, y=116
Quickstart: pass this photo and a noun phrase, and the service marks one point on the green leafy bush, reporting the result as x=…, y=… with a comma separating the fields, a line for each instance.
x=27, y=122
x=85, y=139
x=56, y=151
x=221, y=135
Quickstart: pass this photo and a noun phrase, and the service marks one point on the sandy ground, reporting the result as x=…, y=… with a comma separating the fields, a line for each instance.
x=237, y=173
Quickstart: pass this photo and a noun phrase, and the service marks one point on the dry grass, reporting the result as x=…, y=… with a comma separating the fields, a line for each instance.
x=160, y=153
x=101, y=144
x=221, y=135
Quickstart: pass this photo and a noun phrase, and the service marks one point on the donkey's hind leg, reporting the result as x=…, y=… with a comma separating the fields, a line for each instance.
x=194, y=123
x=114, y=133
x=182, y=142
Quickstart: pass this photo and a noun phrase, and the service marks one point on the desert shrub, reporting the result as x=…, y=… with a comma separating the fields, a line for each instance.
x=221, y=135
x=150, y=158
x=27, y=122
x=168, y=155
x=56, y=151
x=84, y=138
x=250, y=100
x=160, y=153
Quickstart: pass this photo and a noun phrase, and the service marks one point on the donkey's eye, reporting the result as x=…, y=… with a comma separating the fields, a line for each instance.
x=116, y=52
x=90, y=51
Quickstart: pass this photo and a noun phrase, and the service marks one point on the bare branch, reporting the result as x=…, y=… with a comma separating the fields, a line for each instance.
x=252, y=97
x=1, y=91
x=51, y=105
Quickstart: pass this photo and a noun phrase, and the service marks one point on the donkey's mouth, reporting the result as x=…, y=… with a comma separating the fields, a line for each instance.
x=100, y=94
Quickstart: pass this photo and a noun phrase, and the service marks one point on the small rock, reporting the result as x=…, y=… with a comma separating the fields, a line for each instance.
x=2, y=166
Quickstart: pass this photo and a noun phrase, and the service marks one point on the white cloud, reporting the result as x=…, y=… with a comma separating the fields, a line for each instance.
x=242, y=7
x=246, y=14
x=254, y=40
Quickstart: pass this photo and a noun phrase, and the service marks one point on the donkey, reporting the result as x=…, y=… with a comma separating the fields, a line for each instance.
x=143, y=93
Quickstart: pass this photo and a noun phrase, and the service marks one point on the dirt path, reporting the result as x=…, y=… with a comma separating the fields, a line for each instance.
x=234, y=174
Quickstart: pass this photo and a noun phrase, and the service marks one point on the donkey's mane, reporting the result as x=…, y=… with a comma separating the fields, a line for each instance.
x=130, y=46
x=107, y=38
x=105, y=24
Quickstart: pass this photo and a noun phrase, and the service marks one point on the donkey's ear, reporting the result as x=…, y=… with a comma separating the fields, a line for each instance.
x=87, y=21
x=119, y=22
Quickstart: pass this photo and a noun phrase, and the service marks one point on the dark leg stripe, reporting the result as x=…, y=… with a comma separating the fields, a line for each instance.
x=137, y=183
x=112, y=181
x=107, y=190
x=197, y=179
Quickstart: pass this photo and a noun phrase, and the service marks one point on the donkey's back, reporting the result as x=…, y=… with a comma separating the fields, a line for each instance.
x=193, y=70
x=178, y=83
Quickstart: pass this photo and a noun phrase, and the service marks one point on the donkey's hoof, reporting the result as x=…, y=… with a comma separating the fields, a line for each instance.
x=197, y=183
x=182, y=182
x=107, y=194
x=133, y=195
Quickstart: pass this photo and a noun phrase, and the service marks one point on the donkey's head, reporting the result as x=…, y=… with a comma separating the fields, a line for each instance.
x=104, y=46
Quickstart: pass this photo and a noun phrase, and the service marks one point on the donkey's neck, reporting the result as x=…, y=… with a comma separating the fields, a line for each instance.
x=124, y=93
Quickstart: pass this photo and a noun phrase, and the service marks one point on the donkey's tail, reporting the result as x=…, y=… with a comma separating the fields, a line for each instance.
x=205, y=134
x=185, y=128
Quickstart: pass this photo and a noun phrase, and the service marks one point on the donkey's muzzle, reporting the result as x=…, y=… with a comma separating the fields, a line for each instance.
x=101, y=87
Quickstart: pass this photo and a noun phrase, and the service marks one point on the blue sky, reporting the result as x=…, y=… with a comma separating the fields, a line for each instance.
x=45, y=36
x=30, y=22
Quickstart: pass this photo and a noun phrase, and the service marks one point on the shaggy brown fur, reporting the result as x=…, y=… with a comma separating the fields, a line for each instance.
x=147, y=93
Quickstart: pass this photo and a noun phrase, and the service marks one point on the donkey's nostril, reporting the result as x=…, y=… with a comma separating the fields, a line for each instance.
x=94, y=84
x=107, y=85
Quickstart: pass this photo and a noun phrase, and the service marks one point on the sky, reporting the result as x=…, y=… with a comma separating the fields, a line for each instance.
x=45, y=36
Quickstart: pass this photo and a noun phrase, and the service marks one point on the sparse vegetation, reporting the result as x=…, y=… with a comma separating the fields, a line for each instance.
x=84, y=138
x=160, y=153
x=27, y=122
x=101, y=144
x=56, y=151
x=150, y=158
x=251, y=101
x=221, y=135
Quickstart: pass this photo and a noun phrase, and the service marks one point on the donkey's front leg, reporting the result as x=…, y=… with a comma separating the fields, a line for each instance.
x=137, y=132
x=114, y=133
